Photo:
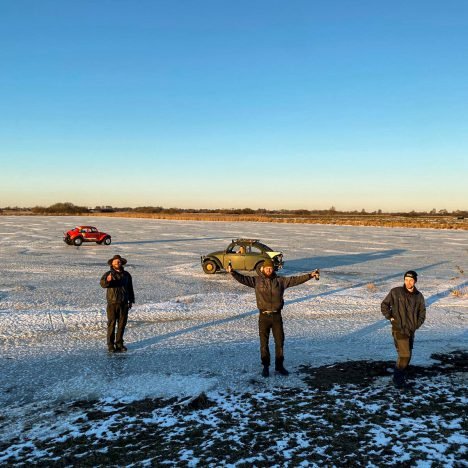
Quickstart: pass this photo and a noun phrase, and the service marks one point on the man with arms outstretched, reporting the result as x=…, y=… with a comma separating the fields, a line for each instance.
x=269, y=291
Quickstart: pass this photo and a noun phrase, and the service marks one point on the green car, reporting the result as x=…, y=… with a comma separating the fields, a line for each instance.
x=243, y=254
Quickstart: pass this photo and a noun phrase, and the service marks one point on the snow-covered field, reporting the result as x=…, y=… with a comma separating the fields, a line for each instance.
x=191, y=333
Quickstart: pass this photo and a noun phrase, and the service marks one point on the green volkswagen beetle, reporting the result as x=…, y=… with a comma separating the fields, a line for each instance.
x=243, y=254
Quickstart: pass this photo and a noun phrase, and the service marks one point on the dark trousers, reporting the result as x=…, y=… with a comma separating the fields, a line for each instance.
x=117, y=314
x=404, y=346
x=273, y=322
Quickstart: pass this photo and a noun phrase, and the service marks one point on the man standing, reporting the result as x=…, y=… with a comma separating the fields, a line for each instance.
x=405, y=308
x=120, y=297
x=269, y=291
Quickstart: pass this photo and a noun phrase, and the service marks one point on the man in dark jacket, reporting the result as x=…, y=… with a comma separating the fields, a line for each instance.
x=120, y=298
x=269, y=291
x=404, y=306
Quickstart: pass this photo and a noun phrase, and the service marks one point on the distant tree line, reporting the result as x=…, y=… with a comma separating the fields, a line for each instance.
x=70, y=208
x=56, y=208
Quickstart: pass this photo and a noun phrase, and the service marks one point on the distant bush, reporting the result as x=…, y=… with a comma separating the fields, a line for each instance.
x=61, y=208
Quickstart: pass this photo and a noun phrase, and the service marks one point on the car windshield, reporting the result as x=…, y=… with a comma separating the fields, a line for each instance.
x=263, y=247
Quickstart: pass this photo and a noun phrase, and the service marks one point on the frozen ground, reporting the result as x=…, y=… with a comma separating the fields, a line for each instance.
x=190, y=332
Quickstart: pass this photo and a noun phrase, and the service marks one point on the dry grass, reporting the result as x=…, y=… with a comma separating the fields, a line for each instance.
x=371, y=287
x=462, y=293
x=380, y=220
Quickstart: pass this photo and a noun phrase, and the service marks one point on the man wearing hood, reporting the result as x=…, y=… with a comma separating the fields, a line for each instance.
x=269, y=291
x=120, y=298
x=404, y=306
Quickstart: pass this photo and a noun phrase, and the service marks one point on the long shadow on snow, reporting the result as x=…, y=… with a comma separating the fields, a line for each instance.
x=382, y=323
x=150, y=341
x=161, y=241
x=330, y=261
x=447, y=292
x=373, y=326
x=359, y=333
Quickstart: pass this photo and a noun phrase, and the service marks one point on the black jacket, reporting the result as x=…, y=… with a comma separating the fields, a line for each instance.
x=269, y=291
x=407, y=309
x=120, y=288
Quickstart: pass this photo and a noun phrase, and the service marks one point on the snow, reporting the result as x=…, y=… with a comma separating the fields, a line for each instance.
x=189, y=332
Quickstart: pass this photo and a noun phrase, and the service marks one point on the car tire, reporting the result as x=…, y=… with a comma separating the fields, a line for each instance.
x=77, y=241
x=210, y=267
x=258, y=268
x=107, y=241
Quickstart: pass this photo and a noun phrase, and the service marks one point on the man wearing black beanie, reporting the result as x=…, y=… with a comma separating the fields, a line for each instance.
x=404, y=306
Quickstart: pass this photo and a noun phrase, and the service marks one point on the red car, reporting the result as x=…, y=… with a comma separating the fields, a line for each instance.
x=86, y=234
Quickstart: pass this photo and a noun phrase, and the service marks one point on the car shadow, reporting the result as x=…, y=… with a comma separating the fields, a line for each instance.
x=369, y=328
x=161, y=241
x=331, y=261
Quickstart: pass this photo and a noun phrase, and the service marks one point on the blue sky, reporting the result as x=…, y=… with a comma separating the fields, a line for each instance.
x=261, y=104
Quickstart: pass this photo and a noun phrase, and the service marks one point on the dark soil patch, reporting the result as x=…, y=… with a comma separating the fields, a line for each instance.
x=361, y=373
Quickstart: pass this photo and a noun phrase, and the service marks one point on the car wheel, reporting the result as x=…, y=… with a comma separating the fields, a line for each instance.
x=107, y=241
x=258, y=267
x=210, y=267
x=77, y=241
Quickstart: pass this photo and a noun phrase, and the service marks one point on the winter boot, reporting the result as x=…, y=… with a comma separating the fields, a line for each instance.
x=111, y=348
x=266, y=371
x=120, y=348
x=399, y=379
x=281, y=370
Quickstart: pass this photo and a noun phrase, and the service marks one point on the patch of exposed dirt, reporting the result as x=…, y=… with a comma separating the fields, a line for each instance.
x=361, y=373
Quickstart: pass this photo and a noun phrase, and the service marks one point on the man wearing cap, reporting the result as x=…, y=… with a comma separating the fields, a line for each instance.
x=269, y=291
x=120, y=298
x=404, y=306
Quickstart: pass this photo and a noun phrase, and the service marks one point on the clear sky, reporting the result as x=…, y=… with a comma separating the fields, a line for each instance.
x=223, y=104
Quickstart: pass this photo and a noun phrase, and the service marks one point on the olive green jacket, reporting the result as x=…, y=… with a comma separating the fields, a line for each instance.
x=269, y=291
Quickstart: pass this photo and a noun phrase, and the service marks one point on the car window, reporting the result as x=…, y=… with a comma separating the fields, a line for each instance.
x=93, y=230
x=264, y=247
x=256, y=250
